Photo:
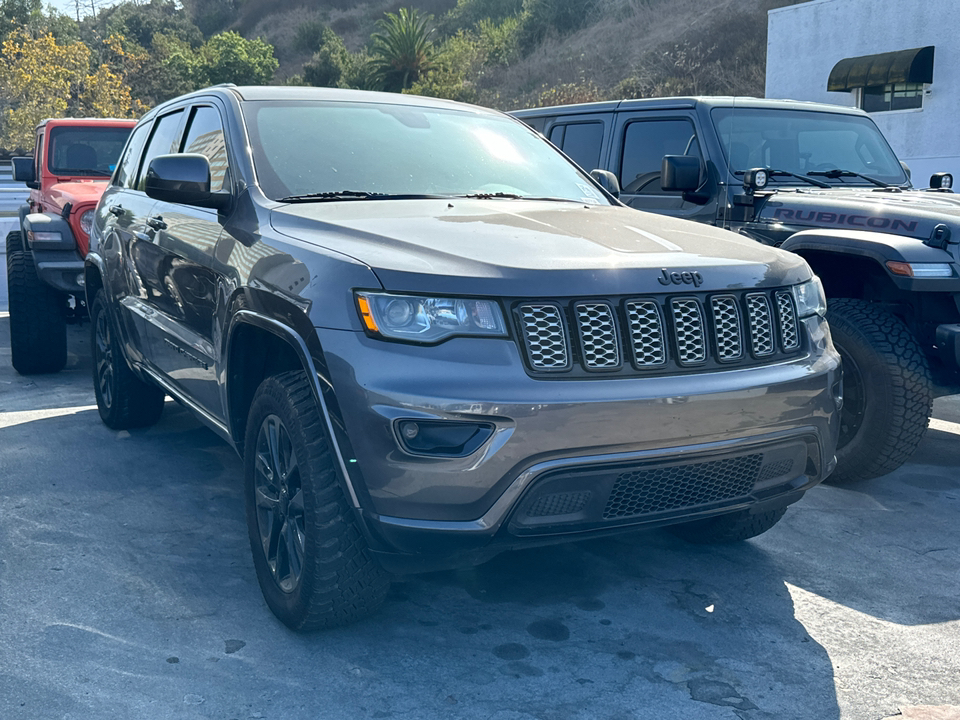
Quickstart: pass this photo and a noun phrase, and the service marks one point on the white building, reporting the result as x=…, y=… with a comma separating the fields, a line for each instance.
x=897, y=59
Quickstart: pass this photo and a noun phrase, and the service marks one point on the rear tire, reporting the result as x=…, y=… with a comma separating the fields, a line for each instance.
x=38, y=328
x=887, y=390
x=733, y=527
x=123, y=400
x=311, y=559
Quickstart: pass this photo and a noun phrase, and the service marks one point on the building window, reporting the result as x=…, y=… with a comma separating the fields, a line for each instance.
x=893, y=96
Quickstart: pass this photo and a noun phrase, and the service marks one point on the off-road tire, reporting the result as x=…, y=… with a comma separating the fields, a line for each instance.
x=14, y=243
x=38, y=328
x=123, y=400
x=729, y=528
x=339, y=581
x=887, y=390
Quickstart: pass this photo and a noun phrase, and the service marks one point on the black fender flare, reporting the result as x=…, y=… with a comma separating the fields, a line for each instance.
x=48, y=223
x=299, y=345
x=881, y=248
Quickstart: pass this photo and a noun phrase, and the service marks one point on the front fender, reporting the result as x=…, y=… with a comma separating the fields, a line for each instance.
x=881, y=248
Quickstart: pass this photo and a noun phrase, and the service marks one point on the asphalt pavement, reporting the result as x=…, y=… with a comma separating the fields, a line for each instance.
x=127, y=590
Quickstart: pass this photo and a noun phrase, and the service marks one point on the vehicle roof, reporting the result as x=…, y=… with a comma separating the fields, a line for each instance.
x=673, y=103
x=294, y=93
x=85, y=122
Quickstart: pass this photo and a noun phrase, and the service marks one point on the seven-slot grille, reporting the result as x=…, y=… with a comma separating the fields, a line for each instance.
x=650, y=334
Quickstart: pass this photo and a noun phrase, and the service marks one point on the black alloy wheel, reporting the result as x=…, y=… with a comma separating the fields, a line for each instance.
x=279, y=500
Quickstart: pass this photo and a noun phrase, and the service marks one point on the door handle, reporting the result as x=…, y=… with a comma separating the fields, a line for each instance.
x=116, y=210
x=157, y=223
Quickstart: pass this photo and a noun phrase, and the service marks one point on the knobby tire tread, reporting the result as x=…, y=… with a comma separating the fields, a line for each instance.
x=38, y=327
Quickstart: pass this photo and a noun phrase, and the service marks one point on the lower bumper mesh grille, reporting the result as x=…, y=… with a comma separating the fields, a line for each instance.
x=652, y=490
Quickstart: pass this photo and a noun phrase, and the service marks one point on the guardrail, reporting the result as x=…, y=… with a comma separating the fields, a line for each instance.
x=12, y=194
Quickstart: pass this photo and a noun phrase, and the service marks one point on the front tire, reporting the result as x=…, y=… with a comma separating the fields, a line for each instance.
x=729, y=528
x=38, y=328
x=123, y=400
x=887, y=390
x=14, y=243
x=312, y=561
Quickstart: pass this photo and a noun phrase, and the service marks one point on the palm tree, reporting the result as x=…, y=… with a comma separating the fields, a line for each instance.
x=402, y=48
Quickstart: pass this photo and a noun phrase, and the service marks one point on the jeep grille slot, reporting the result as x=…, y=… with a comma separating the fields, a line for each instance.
x=646, y=333
x=657, y=489
x=598, y=335
x=789, y=335
x=688, y=324
x=761, y=330
x=726, y=323
x=545, y=336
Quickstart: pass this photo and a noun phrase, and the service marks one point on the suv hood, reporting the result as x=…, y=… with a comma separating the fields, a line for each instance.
x=911, y=213
x=534, y=249
x=76, y=192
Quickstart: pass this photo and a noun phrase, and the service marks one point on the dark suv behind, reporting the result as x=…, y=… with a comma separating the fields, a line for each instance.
x=432, y=338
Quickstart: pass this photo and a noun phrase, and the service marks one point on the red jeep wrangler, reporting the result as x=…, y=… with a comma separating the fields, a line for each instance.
x=73, y=160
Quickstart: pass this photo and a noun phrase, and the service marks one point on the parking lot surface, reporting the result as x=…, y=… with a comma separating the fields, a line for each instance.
x=127, y=590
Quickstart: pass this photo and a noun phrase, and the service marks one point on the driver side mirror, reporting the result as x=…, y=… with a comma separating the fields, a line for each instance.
x=680, y=172
x=607, y=180
x=183, y=179
x=25, y=172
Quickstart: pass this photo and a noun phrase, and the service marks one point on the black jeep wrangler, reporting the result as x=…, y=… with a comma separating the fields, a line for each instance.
x=821, y=181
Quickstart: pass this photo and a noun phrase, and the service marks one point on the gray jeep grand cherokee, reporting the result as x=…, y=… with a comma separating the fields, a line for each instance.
x=432, y=338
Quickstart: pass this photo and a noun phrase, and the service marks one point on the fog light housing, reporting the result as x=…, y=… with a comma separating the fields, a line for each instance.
x=441, y=438
x=756, y=179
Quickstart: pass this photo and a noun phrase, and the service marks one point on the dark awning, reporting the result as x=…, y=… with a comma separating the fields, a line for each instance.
x=913, y=66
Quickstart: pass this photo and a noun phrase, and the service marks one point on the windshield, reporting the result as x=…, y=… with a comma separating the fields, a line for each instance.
x=802, y=142
x=305, y=148
x=86, y=150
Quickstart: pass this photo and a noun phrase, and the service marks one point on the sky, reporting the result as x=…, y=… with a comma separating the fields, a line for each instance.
x=69, y=7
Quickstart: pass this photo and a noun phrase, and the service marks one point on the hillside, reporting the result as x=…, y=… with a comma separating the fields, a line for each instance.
x=625, y=48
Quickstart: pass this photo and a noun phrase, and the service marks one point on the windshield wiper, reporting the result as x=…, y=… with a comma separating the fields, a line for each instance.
x=512, y=196
x=787, y=173
x=837, y=173
x=83, y=171
x=355, y=195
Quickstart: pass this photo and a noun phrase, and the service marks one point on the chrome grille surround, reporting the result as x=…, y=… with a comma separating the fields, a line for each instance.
x=646, y=333
x=787, y=315
x=761, y=327
x=599, y=344
x=545, y=336
x=728, y=328
x=688, y=325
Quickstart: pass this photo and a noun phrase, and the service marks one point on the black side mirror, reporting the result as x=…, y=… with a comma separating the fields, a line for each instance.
x=680, y=172
x=183, y=179
x=24, y=171
x=607, y=180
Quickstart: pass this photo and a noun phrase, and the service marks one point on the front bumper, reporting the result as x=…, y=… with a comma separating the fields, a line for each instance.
x=568, y=444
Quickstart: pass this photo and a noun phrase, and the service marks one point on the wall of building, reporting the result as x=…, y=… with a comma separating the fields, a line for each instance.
x=805, y=41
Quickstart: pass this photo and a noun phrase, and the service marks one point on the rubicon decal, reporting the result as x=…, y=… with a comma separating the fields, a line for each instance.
x=831, y=218
x=680, y=278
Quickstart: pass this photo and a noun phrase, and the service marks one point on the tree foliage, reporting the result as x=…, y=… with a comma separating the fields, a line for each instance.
x=403, y=48
x=231, y=58
x=40, y=78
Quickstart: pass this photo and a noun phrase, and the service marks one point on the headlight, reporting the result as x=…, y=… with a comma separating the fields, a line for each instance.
x=86, y=222
x=810, y=298
x=429, y=319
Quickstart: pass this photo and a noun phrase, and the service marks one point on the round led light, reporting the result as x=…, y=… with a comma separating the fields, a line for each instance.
x=399, y=313
x=760, y=179
x=947, y=181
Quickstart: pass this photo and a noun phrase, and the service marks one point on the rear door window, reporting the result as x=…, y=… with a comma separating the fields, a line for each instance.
x=581, y=141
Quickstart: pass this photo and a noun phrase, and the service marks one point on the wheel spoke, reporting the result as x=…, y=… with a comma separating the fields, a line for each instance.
x=267, y=501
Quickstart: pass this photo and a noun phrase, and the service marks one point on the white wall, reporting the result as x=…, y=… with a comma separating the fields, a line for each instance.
x=805, y=41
